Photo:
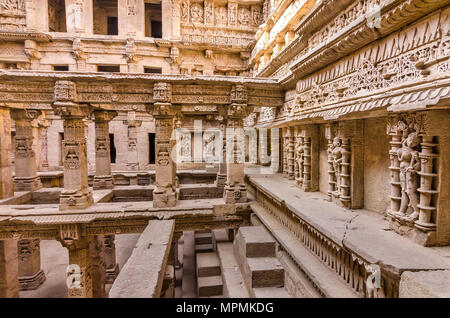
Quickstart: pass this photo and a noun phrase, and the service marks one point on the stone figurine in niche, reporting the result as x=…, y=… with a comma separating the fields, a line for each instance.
x=408, y=156
x=336, y=155
x=299, y=150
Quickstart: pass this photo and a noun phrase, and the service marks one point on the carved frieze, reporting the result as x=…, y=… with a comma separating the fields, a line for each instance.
x=162, y=92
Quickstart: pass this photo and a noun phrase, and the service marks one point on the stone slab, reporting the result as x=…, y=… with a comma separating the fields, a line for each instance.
x=207, y=264
x=209, y=286
x=203, y=248
x=254, y=241
x=265, y=272
x=143, y=274
x=425, y=284
x=271, y=292
x=203, y=238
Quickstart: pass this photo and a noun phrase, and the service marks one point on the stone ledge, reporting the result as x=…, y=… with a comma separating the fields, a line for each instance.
x=364, y=235
x=428, y=284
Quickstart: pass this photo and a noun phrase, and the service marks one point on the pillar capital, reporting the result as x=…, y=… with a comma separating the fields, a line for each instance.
x=25, y=114
x=104, y=115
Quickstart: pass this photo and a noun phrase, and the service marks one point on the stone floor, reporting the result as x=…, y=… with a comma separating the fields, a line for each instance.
x=54, y=260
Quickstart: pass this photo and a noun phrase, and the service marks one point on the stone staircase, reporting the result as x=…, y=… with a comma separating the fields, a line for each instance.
x=209, y=279
x=203, y=242
x=263, y=274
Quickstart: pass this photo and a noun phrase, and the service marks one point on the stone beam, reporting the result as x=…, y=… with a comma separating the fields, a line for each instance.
x=143, y=274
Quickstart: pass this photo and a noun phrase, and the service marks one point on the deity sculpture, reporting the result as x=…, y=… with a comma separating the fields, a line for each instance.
x=336, y=156
x=197, y=13
x=299, y=150
x=408, y=156
x=184, y=10
x=209, y=146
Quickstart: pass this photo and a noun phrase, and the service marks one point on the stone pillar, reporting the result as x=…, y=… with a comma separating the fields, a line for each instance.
x=97, y=256
x=166, y=193
x=9, y=269
x=235, y=190
x=112, y=268
x=76, y=193
x=176, y=19
x=6, y=180
x=290, y=155
x=166, y=9
x=26, y=178
x=86, y=270
x=31, y=276
x=43, y=145
x=133, y=124
x=311, y=158
x=222, y=173
x=103, y=177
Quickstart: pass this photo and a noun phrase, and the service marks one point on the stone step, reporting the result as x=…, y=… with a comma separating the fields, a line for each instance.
x=255, y=241
x=324, y=280
x=271, y=292
x=220, y=235
x=207, y=264
x=209, y=286
x=203, y=238
x=264, y=272
x=233, y=281
x=203, y=248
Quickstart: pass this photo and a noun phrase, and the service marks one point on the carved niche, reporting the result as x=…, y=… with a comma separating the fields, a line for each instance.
x=221, y=16
x=413, y=164
x=196, y=13
x=339, y=169
x=243, y=16
x=162, y=92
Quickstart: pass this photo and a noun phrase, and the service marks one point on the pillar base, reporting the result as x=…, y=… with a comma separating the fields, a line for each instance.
x=27, y=184
x=103, y=182
x=165, y=198
x=235, y=194
x=75, y=201
x=111, y=274
x=33, y=282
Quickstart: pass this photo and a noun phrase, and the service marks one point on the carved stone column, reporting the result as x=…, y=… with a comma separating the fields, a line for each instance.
x=6, y=180
x=285, y=151
x=235, y=190
x=346, y=163
x=76, y=193
x=330, y=131
x=26, y=178
x=176, y=17
x=9, y=269
x=222, y=173
x=166, y=9
x=310, y=174
x=290, y=155
x=112, y=268
x=103, y=178
x=86, y=270
x=43, y=145
x=352, y=175
x=97, y=255
x=31, y=276
x=133, y=124
x=166, y=193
